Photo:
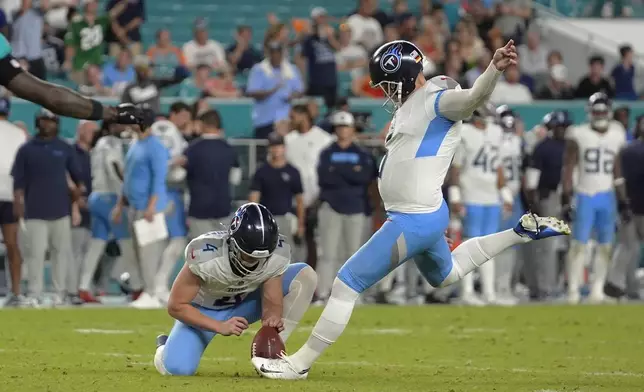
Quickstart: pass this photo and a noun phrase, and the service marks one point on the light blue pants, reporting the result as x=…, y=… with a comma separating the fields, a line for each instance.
x=598, y=212
x=100, y=210
x=481, y=220
x=402, y=237
x=186, y=344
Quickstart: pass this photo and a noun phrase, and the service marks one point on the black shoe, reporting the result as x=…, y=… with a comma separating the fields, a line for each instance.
x=74, y=299
x=613, y=291
x=161, y=339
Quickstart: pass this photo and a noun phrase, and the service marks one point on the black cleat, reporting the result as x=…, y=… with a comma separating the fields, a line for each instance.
x=161, y=339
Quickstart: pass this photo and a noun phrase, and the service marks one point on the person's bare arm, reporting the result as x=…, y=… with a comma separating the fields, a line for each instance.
x=300, y=211
x=457, y=105
x=570, y=159
x=272, y=303
x=56, y=98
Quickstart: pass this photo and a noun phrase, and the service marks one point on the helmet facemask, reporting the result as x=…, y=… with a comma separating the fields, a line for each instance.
x=244, y=262
x=393, y=92
x=600, y=116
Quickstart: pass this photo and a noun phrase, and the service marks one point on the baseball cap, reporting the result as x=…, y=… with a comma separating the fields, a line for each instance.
x=5, y=106
x=275, y=139
x=342, y=119
x=559, y=72
x=317, y=12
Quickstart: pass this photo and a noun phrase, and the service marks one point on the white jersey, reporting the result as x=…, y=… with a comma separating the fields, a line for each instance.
x=170, y=136
x=12, y=138
x=106, y=156
x=478, y=159
x=596, y=156
x=207, y=258
x=512, y=155
x=420, y=147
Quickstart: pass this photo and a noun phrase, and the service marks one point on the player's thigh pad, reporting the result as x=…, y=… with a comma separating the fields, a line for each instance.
x=491, y=220
x=584, y=218
x=473, y=222
x=605, y=217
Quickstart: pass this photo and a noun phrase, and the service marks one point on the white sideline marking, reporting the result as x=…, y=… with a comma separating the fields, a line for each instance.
x=546, y=390
x=104, y=331
x=483, y=330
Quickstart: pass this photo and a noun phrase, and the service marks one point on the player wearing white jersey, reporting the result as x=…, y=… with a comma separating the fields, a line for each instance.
x=422, y=139
x=107, y=180
x=169, y=134
x=478, y=186
x=230, y=280
x=594, y=149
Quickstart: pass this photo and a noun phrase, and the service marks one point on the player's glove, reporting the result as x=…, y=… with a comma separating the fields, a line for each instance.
x=126, y=113
x=624, y=209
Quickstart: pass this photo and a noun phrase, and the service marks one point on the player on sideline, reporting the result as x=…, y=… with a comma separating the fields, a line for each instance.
x=56, y=98
x=230, y=280
x=422, y=138
x=477, y=175
x=594, y=148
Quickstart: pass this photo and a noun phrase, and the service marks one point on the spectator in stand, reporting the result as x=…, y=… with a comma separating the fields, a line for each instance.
x=430, y=41
x=438, y=18
x=212, y=167
x=494, y=39
x=93, y=86
x=57, y=14
x=303, y=146
x=361, y=87
x=624, y=75
x=533, y=56
x=391, y=33
x=407, y=26
x=557, y=86
x=513, y=18
x=242, y=54
x=126, y=28
x=482, y=15
x=453, y=67
x=342, y=105
x=453, y=51
x=595, y=81
x=350, y=56
x=202, y=84
x=273, y=83
x=554, y=57
x=165, y=57
x=84, y=41
x=481, y=66
x=26, y=37
x=398, y=8
x=118, y=74
x=371, y=7
x=510, y=90
x=12, y=138
x=276, y=185
x=202, y=50
x=366, y=29
x=80, y=213
x=316, y=57
x=472, y=46
x=53, y=51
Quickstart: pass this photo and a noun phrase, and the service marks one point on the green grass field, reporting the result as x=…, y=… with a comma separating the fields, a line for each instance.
x=445, y=349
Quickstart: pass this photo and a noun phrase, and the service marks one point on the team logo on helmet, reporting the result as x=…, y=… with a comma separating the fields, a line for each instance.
x=392, y=59
x=234, y=225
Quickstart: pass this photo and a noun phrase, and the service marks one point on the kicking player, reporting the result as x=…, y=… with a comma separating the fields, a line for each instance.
x=477, y=180
x=56, y=98
x=173, y=140
x=424, y=134
x=593, y=148
x=107, y=181
x=230, y=280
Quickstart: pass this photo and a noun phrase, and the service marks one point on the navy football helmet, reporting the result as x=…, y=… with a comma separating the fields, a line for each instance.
x=253, y=237
x=394, y=67
x=600, y=111
x=556, y=119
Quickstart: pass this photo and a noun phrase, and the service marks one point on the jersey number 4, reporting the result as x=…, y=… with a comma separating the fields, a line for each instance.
x=486, y=161
x=598, y=160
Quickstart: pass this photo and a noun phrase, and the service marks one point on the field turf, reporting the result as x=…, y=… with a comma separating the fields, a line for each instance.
x=443, y=349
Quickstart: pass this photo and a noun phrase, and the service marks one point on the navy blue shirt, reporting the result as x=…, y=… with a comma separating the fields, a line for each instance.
x=40, y=170
x=633, y=172
x=277, y=186
x=344, y=175
x=209, y=162
x=320, y=61
x=134, y=9
x=548, y=158
x=249, y=57
x=624, y=88
x=85, y=170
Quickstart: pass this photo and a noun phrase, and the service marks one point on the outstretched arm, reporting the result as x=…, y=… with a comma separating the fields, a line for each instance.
x=458, y=105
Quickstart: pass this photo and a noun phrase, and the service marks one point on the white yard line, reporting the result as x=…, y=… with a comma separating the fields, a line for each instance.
x=104, y=331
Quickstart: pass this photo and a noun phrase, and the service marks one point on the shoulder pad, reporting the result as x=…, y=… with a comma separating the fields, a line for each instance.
x=205, y=247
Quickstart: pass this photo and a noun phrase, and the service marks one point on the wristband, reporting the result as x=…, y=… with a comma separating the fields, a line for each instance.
x=506, y=195
x=454, y=194
x=97, y=110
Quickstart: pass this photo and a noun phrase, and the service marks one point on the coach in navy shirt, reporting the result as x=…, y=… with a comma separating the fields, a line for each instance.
x=211, y=168
x=344, y=174
x=42, y=198
x=276, y=184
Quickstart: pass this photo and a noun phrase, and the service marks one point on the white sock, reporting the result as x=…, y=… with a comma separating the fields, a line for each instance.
x=297, y=300
x=171, y=254
x=332, y=322
x=95, y=251
x=487, y=272
x=575, y=266
x=600, y=270
x=472, y=253
x=467, y=285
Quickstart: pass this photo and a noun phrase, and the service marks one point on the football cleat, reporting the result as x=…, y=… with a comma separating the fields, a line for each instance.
x=537, y=228
x=146, y=301
x=88, y=297
x=161, y=340
x=278, y=369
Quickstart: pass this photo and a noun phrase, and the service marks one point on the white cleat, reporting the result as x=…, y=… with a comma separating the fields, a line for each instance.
x=505, y=300
x=573, y=298
x=146, y=301
x=278, y=369
x=595, y=299
x=537, y=227
x=163, y=296
x=472, y=300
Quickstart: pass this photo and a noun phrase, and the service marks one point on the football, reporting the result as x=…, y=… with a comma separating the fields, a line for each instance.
x=267, y=344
